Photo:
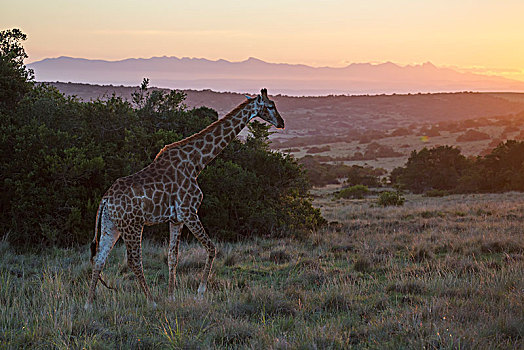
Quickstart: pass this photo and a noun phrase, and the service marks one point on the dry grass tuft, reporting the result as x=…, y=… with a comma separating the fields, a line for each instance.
x=420, y=254
x=233, y=333
x=279, y=256
x=362, y=264
x=263, y=302
x=407, y=287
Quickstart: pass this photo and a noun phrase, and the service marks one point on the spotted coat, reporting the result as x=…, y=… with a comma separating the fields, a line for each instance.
x=167, y=191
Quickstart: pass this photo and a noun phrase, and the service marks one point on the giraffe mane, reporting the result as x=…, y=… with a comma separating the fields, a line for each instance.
x=207, y=128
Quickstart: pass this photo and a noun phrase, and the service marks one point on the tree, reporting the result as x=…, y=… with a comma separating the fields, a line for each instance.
x=437, y=168
x=503, y=168
x=15, y=79
x=444, y=168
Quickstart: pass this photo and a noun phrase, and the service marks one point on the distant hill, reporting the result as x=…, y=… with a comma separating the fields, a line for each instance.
x=252, y=74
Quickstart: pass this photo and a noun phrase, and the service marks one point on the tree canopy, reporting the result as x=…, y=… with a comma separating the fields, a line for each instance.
x=445, y=168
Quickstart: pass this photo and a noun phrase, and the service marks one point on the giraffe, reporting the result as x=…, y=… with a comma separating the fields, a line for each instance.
x=167, y=191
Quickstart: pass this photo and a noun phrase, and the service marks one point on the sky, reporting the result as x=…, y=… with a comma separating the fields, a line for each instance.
x=482, y=36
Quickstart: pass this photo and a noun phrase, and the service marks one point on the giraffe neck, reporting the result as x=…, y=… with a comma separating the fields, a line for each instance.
x=202, y=147
x=218, y=135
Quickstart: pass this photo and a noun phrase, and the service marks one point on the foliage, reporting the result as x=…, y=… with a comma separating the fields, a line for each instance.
x=473, y=135
x=389, y=198
x=319, y=149
x=437, y=168
x=364, y=175
x=59, y=155
x=15, y=79
x=355, y=192
x=375, y=150
x=321, y=174
x=444, y=168
x=263, y=191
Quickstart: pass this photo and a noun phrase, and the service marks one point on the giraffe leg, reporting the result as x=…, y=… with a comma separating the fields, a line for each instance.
x=195, y=226
x=108, y=237
x=174, y=233
x=134, y=260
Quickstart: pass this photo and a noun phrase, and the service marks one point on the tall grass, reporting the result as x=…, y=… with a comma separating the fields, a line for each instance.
x=437, y=273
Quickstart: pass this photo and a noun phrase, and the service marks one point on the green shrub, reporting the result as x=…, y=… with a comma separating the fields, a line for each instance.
x=321, y=174
x=364, y=175
x=388, y=198
x=355, y=192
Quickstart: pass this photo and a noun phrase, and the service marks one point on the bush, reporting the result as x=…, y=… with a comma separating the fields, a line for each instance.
x=320, y=149
x=429, y=132
x=389, y=198
x=355, y=192
x=321, y=174
x=473, y=135
x=364, y=175
x=400, y=132
x=375, y=150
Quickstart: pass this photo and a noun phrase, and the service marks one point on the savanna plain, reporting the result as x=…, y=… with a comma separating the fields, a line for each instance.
x=435, y=273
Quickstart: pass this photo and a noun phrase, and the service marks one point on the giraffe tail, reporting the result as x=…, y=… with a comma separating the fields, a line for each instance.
x=94, y=243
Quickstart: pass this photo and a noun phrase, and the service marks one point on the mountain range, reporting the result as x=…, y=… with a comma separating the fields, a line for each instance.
x=280, y=78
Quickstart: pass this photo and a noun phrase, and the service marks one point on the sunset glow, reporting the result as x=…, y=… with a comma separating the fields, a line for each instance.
x=478, y=36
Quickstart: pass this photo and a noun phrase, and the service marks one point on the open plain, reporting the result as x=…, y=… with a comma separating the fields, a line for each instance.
x=436, y=273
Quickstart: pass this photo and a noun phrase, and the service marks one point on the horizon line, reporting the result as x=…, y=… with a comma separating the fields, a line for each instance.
x=292, y=96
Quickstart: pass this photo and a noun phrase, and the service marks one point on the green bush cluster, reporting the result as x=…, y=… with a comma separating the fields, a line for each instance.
x=364, y=175
x=322, y=174
x=445, y=169
x=59, y=155
x=390, y=198
x=355, y=192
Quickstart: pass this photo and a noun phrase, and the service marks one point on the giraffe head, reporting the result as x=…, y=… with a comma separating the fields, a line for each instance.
x=266, y=109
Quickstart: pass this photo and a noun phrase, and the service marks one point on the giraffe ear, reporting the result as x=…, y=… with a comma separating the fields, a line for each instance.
x=249, y=98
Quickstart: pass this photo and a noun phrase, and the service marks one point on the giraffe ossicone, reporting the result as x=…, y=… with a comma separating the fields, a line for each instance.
x=167, y=191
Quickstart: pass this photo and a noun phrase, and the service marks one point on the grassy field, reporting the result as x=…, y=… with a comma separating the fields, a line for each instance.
x=437, y=273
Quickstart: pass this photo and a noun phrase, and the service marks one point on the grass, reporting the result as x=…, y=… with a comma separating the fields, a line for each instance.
x=437, y=273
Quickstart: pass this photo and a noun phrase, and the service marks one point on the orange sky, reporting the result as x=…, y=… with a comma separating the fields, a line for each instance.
x=482, y=36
